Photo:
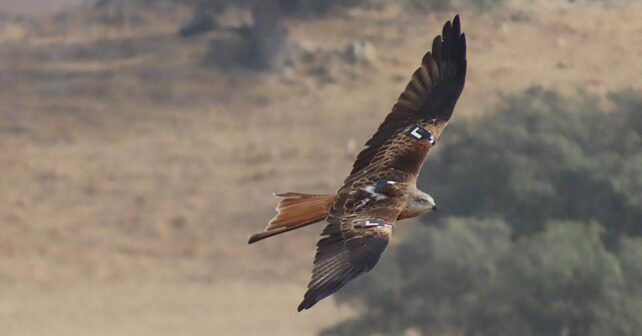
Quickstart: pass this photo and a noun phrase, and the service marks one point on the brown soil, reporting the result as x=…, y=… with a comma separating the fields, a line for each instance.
x=132, y=175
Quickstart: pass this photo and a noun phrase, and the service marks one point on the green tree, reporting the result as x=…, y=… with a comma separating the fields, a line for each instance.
x=466, y=277
x=543, y=156
x=435, y=270
x=560, y=282
x=539, y=233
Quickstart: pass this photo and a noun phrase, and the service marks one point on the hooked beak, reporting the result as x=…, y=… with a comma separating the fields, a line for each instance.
x=434, y=208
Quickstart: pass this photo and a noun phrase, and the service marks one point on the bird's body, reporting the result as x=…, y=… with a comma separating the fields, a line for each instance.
x=381, y=188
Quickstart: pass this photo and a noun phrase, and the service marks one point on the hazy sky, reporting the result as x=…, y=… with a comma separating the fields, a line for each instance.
x=36, y=7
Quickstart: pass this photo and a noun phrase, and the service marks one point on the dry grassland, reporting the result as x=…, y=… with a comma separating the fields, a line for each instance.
x=132, y=175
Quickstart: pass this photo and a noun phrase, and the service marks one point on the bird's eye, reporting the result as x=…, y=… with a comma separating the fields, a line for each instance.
x=421, y=201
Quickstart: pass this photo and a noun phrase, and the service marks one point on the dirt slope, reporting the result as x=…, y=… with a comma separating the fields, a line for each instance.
x=132, y=175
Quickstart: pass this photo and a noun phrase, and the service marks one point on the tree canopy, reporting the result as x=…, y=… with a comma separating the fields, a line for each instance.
x=539, y=233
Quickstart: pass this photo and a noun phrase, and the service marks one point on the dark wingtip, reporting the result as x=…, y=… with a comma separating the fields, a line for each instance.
x=447, y=29
x=451, y=37
x=255, y=237
x=456, y=26
x=305, y=304
x=452, y=28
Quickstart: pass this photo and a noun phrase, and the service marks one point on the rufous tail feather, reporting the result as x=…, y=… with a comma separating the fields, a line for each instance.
x=295, y=211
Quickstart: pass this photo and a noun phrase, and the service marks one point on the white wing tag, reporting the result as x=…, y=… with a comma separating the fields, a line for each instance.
x=420, y=133
x=369, y=224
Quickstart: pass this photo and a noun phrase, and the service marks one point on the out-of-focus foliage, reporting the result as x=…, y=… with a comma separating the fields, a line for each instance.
x=540, y=228
x=449, y=4
x=321, y=7
x=468, y=278
x=560, y=282
x=543, y=157
x=263, y=43
x=408, y=295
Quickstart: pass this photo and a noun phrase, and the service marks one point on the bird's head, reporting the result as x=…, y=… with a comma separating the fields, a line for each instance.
x=419, y=203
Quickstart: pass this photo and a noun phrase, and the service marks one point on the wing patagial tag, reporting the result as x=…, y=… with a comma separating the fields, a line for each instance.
x=420, y=133
x=369, y=223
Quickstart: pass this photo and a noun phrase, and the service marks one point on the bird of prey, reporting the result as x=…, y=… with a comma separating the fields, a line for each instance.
x=381, y=188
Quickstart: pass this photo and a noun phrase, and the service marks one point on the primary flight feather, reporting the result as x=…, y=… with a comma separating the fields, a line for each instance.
x=381, y=188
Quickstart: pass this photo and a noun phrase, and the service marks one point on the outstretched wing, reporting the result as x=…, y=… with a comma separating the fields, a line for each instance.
x=352, y=245
x=422, y=111
x=358, y=233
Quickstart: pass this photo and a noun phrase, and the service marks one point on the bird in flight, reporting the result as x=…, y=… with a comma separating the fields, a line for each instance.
x=382, y=186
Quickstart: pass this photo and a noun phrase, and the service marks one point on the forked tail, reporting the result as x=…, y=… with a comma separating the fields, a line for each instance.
x=295, y=211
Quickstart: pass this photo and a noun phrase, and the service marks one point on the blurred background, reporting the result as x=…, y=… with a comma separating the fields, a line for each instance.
x=141, y=142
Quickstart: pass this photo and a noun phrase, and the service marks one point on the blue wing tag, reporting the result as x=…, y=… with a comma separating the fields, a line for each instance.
x=420, y=133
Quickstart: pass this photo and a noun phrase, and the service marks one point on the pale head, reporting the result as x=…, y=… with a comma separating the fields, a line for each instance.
x=418, y=204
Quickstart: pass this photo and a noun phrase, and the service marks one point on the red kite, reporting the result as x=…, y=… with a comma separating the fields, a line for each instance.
x=381, y=188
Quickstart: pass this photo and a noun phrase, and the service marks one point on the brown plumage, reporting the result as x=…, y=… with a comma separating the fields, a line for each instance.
x=294, y=211
x=381, y=187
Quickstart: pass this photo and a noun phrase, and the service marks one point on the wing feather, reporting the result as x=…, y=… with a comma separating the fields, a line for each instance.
x=346, y=252
x=428, y=100
x=349, y=248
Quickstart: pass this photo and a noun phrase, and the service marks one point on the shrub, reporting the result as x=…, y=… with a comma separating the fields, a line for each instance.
x=542, y=157
x=539, y=233
x=468, y=278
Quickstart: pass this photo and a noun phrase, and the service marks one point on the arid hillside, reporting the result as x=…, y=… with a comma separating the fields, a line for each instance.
x=133, y=173
x=37, y=7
